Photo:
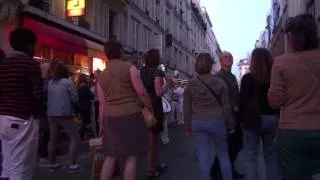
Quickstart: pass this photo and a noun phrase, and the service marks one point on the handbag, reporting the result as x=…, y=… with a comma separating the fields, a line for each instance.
x=97, y=158
x=165, y=105
x=252, y=112
x=149, y=117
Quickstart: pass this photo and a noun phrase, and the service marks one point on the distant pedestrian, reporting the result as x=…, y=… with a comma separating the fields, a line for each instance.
x=44, y=124
x=207, y=112
x=295, y=87
x=21, y=105
x=85, y=103
x=61, y=111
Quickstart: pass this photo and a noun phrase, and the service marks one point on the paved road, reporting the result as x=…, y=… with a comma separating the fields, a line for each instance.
x=179, y=155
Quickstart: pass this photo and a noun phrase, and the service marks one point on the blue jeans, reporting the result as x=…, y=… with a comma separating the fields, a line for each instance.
x=267, y=132
x=205, y=131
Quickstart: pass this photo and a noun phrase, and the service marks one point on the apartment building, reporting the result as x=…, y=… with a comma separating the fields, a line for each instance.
x=211, y=44
x=281, y=11
x=74, y=30
x=244, y=68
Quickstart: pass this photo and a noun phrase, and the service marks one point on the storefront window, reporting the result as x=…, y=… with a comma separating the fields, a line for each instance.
x=98, y=64
x=65, y=57
x=82, y=64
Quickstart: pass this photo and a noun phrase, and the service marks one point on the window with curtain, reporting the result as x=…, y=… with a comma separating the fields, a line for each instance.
x=135, y=33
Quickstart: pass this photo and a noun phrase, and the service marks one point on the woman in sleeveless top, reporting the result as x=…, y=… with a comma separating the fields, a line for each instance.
x=122, y=96
x=152, y=79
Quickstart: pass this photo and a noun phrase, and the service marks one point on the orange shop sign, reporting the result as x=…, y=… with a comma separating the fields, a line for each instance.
x=76, y=8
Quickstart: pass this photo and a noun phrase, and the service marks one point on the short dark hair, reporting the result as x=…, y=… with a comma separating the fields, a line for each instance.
x=60, y=71
x=261, y=64
x=21, y=38
x=152, y=58
x=303, y=30
x=204, y=63
x=113, y=49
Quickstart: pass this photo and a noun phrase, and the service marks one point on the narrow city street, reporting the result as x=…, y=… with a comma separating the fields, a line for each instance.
x=179, y=155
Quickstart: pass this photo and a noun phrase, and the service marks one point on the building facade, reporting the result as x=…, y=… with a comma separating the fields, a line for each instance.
x=211, y=44
x=77, y=30
x=244, y=68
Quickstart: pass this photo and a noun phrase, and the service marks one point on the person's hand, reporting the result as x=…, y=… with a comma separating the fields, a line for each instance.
x=150, y=108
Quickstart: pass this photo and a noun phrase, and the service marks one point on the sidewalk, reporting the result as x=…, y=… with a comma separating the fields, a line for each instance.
x=179, y=155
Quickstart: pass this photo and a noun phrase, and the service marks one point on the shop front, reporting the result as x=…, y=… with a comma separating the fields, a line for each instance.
x=54, y=44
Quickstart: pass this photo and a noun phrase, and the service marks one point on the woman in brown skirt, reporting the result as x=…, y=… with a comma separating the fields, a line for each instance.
x=122, y=96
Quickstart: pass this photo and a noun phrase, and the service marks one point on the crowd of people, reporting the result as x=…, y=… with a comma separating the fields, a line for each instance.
x=276, y=108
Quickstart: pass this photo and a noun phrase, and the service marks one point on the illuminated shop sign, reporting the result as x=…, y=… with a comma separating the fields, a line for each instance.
x=76, y=8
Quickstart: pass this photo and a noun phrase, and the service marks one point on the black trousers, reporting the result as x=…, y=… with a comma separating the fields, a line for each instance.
x=235, y=144
x=86, y=120
x=43, y=137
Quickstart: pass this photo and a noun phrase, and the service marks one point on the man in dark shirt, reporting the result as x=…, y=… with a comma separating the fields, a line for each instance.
x=21, y=103
x=235, y=139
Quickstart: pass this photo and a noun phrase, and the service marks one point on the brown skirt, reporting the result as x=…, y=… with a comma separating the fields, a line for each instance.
x=125, y=135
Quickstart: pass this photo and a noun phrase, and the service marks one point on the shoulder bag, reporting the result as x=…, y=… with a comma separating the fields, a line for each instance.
x=211, y=91
x=149, y=118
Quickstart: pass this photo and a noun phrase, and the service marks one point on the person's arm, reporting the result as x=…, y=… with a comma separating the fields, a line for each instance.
x=101, y=99
x=139, y=87
x=37, y=89
x=246, y=92
x=73, y=93
x=226, y=107
x=159, y=83
x=277, y=91
x=187, y=108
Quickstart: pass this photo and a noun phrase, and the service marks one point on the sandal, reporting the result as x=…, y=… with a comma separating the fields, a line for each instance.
x=153, y=174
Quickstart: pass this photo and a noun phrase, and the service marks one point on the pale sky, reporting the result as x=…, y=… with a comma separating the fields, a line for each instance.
x=237, y=24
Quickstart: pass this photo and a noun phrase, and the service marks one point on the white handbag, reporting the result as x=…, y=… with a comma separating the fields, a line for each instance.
x=166, y=105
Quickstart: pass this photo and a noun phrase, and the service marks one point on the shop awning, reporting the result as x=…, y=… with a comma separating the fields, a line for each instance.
x=56, y=38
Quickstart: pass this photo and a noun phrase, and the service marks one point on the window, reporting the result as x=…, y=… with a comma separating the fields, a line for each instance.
x=135, y=34
x=311, y=8
x=152, y=4
x=175, y=56
x=168, y=20
x=187, y=65
x=180, y=60
x=101, y=19
x=147, y=38
x=124, y=27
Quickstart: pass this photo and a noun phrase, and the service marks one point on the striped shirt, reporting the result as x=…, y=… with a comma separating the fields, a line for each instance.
x=21, y=87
